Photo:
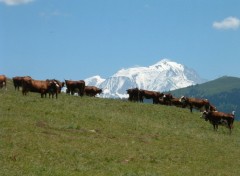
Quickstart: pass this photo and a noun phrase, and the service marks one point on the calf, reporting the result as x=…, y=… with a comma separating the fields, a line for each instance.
x=219, y=118
x=92, y=91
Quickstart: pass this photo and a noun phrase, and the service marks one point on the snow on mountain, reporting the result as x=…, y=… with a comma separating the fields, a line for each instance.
x=94, y=81
x=165, y=75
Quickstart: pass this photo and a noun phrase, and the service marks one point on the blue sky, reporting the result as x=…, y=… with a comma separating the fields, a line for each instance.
x=77, y=39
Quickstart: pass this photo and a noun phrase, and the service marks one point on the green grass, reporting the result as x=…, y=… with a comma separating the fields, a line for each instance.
x=93, y=136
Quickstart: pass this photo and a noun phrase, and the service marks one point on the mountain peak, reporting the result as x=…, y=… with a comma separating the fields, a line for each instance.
x=163, y=61
x=94, y=81
x=165, y=75
x=167, y=64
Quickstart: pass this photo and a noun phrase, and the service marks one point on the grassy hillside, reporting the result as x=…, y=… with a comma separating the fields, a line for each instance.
x=92, y=136
x=224, y=93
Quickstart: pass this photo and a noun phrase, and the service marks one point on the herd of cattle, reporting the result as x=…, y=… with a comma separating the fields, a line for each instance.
x=209, y=112
x=50, y=86
x=53, y=88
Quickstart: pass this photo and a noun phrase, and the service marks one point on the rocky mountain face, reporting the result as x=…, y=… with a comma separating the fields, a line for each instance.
x=165, y=75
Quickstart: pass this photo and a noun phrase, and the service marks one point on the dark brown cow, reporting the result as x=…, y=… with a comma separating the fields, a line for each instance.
x=219, y=118
x=17, y=81
x=3, y=81
x=59, y=86
x=200, y=104
x=57, y=89
x=73, y=86
x=166, y=99
x=42, y=87
x=150, y=95
x=133, y=94
x=92, y=91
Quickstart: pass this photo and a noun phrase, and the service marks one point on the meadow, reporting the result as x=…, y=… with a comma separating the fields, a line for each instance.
x=75, y=135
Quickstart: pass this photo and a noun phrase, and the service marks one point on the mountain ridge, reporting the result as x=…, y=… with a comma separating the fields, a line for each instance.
x=223, y=92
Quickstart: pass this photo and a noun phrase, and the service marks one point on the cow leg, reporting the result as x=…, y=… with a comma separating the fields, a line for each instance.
x=214, y=126
x=191, y=108
x=230, y=126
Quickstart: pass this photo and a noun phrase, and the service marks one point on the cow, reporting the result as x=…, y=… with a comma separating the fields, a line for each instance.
x=17, y=81
x=73, y=86
x=177, y=102
x=3, y=81
x=56, y=87
x=166, y=99
x=200, y=104
x=150, y=95
x=92, y=91
x=39, y=86
x=219, y=118
x=59, y=86
x=133, y=94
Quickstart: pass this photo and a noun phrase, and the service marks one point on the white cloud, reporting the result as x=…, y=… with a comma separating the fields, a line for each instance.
x=227, y=23
x=15, y=2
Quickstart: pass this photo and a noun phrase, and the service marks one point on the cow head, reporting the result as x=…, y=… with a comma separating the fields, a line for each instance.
x=212, y=108
x=184, y=100
x=100, y=91
x=204, y=115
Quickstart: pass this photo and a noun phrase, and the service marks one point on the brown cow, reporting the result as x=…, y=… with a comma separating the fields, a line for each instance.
x=92, y=91
x=200, y=104
x=177, y=102
x=73, y=86
x=150, y=95
x=55, y=90
x=42, y=87
x=219, y=118
x=3, y=81
x=166, y=99
x=17, y=81
x=59, y=86
x=133, y=94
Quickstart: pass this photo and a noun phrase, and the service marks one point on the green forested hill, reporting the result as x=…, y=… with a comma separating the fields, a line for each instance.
x=105, y=137
x=224, y=93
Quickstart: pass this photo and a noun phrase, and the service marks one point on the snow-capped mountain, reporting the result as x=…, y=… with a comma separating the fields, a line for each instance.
x=165, y=75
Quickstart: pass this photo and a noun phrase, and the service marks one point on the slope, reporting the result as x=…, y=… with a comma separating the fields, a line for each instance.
x=94, y=136
x=223, y=92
